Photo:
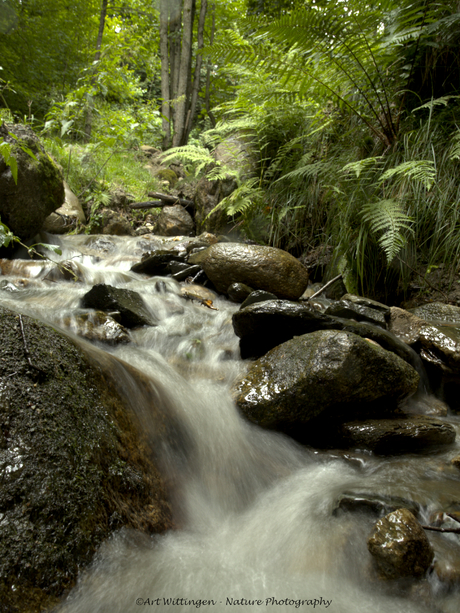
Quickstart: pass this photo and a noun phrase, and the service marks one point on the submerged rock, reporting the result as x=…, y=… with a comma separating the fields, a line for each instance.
x=129, y=304
x=267, y=268
x=97, y=326
x=73, y=464
x=317, y=372
x=400, y=546
x=400, y=435
x=157, y=263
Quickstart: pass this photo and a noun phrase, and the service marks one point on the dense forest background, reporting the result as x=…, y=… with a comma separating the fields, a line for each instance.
x=350, y=109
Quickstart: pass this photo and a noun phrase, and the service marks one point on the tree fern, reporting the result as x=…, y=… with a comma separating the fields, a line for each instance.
x=388, y=220
x=418, y=170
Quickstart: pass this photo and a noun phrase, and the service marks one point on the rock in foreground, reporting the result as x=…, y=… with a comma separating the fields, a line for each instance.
x=72, y=463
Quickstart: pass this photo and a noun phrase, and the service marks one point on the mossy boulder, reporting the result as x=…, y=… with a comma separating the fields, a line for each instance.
x=40, y=187
x=73, y=465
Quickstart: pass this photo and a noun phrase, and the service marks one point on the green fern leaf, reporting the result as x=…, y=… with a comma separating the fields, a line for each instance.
x=419, y=170
x=388, y=220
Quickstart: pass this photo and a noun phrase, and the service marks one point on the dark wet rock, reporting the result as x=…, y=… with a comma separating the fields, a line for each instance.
x=157, y=263
x=349, y=309
x=438, y=312
x=265, y=325
x=73, y=464
x=40, y=187
x=404, y=324
x=189, y=271
x=174, y=266
x=97, y=326
x=258, y=295
x=324, y=371
x=174, y=221
x=456, y=461
x=130, y=305
x=370, y=503
x=408, y=434
x=204, y=240
x=267, y=268
x=238, y=292
x=400, y=546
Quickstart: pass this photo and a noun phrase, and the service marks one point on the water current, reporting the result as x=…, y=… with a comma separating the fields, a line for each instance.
x=258, y=531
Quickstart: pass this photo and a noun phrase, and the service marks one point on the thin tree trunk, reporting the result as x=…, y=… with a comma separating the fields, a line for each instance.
x=197, y=77
x=175, y=19
x=181, y=104
x=208, y=72
x=165, y=84
x=97, y=57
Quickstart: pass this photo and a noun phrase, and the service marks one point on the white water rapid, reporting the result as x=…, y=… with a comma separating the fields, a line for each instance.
x=255, y=510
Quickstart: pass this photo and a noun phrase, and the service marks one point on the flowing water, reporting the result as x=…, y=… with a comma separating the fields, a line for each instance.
x=255, y=509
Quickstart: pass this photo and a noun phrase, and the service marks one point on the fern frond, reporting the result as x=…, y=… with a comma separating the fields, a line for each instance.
x=240, y=201
x=454, y=153
x=388, y=219
x=442, y=101
x=361, y=165
x=199, y=157
x=420, y=170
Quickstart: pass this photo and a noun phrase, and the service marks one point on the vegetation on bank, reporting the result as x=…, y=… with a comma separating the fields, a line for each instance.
x=351, y=112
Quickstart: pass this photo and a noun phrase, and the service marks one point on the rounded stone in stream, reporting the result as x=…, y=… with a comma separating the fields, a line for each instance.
x=157, y=263
x=317, y=372
x=259, y=295
x=238, y=292
x=260, y=267
x=400, y=435
x=74, y=467
x=130, y=305
x=400, y=546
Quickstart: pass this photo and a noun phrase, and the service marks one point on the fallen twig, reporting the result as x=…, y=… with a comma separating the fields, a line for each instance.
x=328, y=284
x=26, y=348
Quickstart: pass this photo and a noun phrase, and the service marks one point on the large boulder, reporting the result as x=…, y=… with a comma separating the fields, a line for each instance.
x=74, y=465
x=39, y=190
x=400, y=546
x=324, y=372
x=260, y=267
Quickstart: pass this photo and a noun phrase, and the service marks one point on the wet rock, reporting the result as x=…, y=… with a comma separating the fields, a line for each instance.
x=189, y=271
x=265, y=325
x=132, y=309
x=322, y=371
x=157, y=263
x=65, y=271
x=192, y=291
x=370, y=503
x=97, y=326
x=259, y=295
x=349, y=309
x=438, y=312
x=409, y=434
x=174, y=221
x=266, y=268
x=400, y=546
x=238, y=292
x=115, y=224
x=74, y=467
x=39, y=190
x=66, y=216
x=456, y=461
x=204, y=240
x=404, y=325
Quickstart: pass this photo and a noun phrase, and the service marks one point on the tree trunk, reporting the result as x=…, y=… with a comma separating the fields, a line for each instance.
x=197, y=77
x=184, y=71
x=208, y=72
x=97, y=57
x=165, y=84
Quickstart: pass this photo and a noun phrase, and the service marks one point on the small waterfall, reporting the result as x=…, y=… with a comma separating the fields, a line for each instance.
x=256, y=528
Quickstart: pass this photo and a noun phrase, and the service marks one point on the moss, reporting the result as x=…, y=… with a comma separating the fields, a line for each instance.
x=72, y=466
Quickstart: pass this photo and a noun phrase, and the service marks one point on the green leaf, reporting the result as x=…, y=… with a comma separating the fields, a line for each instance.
x=53, y=248
x=388, y=219
x=6, y=236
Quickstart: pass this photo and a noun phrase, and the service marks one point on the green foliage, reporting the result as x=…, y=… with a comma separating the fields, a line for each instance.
x=388, y=219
